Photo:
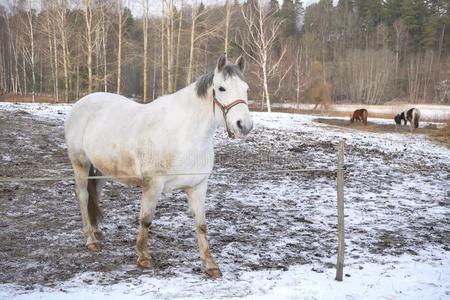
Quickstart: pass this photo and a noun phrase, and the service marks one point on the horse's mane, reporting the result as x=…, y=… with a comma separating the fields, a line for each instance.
x=205, y=81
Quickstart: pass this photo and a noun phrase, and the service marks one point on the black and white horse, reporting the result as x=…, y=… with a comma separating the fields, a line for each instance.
x=411, y=115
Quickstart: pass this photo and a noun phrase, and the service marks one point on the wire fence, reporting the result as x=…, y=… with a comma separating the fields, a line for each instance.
x=66, y=178
x=331, y=170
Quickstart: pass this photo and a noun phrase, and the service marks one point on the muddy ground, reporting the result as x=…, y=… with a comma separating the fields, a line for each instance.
x=256, y=221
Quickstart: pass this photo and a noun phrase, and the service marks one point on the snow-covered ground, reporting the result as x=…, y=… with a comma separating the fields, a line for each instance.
x=273, y=235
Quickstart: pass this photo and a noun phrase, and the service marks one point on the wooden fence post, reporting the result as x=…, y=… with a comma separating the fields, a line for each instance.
x=340, y=208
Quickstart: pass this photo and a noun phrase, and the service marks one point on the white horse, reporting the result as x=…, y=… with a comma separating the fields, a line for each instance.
x=140, y=143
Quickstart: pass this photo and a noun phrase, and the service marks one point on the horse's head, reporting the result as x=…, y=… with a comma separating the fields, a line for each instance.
x=230, y=96
x=398, y=119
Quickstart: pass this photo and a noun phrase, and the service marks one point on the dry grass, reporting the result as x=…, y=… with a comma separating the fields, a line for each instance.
x=443, y=135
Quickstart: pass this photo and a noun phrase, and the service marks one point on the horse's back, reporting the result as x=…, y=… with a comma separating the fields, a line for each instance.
x=412, y=114
x=96, y=103
x=94, y=112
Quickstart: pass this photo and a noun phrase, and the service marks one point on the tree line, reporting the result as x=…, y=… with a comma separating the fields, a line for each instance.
x=361, y=51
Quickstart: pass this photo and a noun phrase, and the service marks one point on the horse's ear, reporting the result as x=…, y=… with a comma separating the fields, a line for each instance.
x=221, y=62
x=240, y=62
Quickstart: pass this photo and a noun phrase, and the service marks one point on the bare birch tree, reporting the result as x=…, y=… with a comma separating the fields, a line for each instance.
x=177, y=56
x=210, y=30
x=162, y=62
x=89, y=46
x=169, y=42
x=145, y=33
x=227, y=25
x=257, y=41
x=32, y=58
x=61, y=24
x=194, y=13
x=119, y=44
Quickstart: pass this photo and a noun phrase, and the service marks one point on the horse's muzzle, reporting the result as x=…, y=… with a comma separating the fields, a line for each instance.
x=244, y=127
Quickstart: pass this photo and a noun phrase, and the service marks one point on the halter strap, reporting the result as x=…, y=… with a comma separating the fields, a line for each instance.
x=225, y=109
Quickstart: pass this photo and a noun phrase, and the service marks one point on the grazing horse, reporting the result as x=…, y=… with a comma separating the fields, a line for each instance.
x=411, y=115
x=359, y=115
x=162, y=146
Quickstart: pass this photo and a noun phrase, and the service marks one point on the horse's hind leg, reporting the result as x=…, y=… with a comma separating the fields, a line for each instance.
x=196, y=197
x=81, y=170
x=94, y=189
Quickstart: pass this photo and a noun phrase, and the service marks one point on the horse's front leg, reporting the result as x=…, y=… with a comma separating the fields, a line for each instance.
x=150, y=195
x=196, y=197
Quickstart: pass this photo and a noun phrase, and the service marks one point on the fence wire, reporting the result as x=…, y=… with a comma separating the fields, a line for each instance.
x=219, y=173
x=66, y=178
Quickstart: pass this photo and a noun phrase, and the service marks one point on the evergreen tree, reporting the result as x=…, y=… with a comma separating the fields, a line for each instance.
x=414, y=14
x=292, y=13
x=392, y=11
x=369, y=14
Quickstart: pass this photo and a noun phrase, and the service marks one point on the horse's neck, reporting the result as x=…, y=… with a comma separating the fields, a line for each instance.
x=197, y=112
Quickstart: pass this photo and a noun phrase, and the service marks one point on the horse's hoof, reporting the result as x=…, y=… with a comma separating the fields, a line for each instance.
x=93, y=247
x=144, y=263
x=213, y=273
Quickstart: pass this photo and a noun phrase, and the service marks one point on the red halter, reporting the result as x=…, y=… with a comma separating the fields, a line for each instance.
x=225, y=109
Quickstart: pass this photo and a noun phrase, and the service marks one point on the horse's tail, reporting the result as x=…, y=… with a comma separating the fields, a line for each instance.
x=94, y=211
x=416, y=117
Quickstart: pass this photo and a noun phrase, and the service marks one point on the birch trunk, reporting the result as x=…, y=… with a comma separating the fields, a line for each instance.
x=119, y=50
x=24, y=69
x=177, y=57
x=88, y=19
x=104, y=42
x=64, y=44
x=192, y=40
x=56, y=65
x=50, y=50
x=163, y=91
x=227, y=25
x=33, y=73
x=145, y=29
x=169, y=48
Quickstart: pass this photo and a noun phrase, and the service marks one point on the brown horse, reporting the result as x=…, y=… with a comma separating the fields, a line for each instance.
x=360, y=115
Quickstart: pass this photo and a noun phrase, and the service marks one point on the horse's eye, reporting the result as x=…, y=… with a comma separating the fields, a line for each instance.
x=222, y=89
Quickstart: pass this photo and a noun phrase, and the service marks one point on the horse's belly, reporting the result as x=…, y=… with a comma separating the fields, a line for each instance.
x=182, y=182
x=122, y=169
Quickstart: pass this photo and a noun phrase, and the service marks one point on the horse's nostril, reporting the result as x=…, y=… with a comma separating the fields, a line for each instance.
x=239, y=124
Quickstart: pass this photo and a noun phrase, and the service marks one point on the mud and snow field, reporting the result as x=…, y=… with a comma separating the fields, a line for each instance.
x=272, y=234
